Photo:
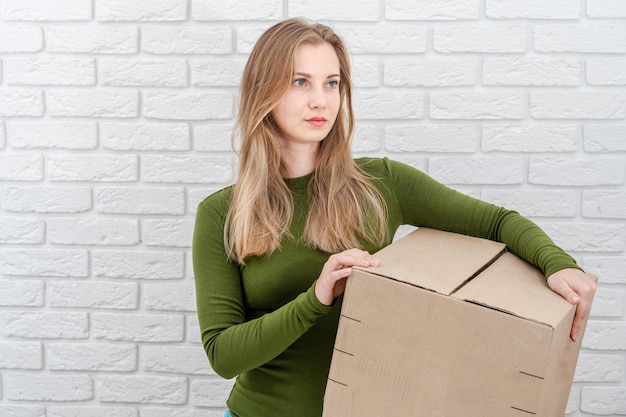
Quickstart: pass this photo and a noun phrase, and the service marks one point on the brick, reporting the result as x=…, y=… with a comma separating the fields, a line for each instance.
x=607, y=37
x=608, y=303
x=175, y=233
x=368, y=137
x=430, y=72
x=152, y=328
x=536, y=203
x=605, y=335
x=99, y=39
x=110, y=295
x=46, y=10
x=44, y=262
x=22, y=411
x=141, y=10
x=36, y=199
x=50, y=71
x=193, y=329
x=387, y=105
x=20, y=38
x=187, y=106
x=18, y=230
x=21, y=103
x=477, y=106
x=607, y=204
x=432, y=10
x=169, y=297
x=218, y=72
x=489, y=170
x=606, y=401
x=179, y=412
x=577, y=105
x=587, y=237
x=55, y=135
x=431, y=138
x=42, y=387
x=247, y=37
x=606, y=71
x=333, y=10
x=599, y=368
x=609, y=268
x=213, y=137
x=236, y=10
x=93, y=231
x=133, y=200
x=145, y=136
x=482, y=38
x=606, y=8
x=92, y=167
x=604, y=138
x=530, y=138
x=213, y=39
x=21, y=355
x=531, y=71
x=532, y=9
x=93, y=103
x=21, y=293
x=3, y=134
x=98, y=357
x=144, y=72
x=366, y=71
x=138, y=264
x=186, y=169
x=21, y=167
x=98, y=410
x=567, y=172
x=210, y=392
x=387, y=39
x=175, y=359
x=44, y=325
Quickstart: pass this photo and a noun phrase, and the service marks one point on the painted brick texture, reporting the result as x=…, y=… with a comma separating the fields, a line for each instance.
x=115, y=122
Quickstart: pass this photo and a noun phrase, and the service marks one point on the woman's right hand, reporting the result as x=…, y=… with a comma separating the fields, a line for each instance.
x=332, y=280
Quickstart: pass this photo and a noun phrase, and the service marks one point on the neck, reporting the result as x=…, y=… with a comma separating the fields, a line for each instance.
x=298, y=161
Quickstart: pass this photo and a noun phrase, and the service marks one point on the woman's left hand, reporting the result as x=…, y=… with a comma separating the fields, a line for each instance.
x=577, y=288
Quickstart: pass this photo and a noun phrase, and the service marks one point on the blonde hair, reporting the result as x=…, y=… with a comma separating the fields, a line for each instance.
x=344, y=207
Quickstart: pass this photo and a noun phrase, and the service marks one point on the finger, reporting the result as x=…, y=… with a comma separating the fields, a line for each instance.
x=356, y=258
x=563, y=288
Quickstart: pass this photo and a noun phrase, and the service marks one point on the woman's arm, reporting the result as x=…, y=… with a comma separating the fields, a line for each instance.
x=233, y=343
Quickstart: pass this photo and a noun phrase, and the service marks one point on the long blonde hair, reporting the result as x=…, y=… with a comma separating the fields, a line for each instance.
x=344, y=206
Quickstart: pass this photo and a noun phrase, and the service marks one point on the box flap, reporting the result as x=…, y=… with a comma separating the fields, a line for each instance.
x=436, y=260
x=514, y=286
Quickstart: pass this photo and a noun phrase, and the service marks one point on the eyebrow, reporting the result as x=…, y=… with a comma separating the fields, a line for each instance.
x=307, y=75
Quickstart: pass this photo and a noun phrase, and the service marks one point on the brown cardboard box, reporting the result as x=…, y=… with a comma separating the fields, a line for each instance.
x=451, y=326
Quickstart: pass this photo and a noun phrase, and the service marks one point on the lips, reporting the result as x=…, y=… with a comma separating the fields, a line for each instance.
x=316, y=121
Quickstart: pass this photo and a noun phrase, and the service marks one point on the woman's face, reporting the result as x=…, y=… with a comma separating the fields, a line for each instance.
x=309, y=109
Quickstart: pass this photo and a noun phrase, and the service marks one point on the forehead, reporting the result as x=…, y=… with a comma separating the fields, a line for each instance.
x=318, y=59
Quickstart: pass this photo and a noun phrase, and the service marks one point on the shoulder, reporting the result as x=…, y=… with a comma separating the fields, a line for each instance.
x=217, y=202
x=373, y=166
x=383, y=167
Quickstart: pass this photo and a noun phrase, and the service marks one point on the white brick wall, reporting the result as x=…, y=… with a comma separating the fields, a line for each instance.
x=115, y=121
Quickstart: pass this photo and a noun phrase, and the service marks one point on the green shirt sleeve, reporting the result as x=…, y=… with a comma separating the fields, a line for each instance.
x=233, y=343
x=425, y=202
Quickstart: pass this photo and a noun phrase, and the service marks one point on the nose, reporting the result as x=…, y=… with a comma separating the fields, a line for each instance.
x=317, y=98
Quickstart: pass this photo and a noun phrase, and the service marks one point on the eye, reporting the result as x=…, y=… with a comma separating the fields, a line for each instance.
x=299, y=82
x=333, y=83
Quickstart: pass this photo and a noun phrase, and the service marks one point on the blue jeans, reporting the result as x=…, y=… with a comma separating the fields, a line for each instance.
x=228, y=414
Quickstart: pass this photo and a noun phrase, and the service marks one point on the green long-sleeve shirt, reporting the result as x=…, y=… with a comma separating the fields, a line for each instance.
x=262, y=322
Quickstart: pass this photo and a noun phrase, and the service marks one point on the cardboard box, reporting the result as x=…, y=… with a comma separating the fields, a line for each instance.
x=454, y=326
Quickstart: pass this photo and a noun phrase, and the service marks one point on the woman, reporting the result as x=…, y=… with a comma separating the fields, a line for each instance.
x=272, y=253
